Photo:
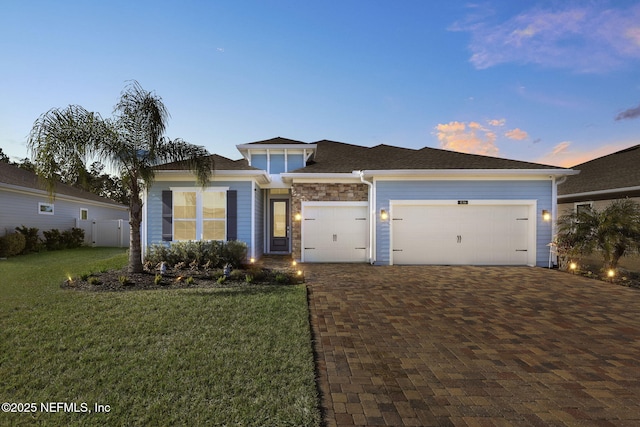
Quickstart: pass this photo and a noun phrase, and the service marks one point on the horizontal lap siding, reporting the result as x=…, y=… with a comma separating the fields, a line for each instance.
x=154, y=207
x=539, y=190
x=17, y=209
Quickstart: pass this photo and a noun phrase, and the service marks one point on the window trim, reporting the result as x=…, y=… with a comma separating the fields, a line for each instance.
x=86, y=211
x=576, y=204
x=199, y=219
x=45, y=211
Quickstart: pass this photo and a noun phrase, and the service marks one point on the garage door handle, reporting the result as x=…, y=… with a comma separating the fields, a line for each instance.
x=397, y=250
x=308, y=248
x=521, y=250
x=335, y=237
x=459, y=239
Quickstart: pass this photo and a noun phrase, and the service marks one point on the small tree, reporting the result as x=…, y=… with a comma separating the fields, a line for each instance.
x=613, y=232
x=132, y=142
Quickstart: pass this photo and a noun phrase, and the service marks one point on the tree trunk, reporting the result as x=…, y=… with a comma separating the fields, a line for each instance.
x=135, y=247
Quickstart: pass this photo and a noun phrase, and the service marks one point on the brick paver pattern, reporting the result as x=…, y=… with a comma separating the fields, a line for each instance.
x=473, y=346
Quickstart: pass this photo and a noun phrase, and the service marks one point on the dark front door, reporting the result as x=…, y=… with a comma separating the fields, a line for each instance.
x=279, y=233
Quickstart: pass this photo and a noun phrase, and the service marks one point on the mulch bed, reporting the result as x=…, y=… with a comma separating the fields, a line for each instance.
x=629, y=279
x=112, y=281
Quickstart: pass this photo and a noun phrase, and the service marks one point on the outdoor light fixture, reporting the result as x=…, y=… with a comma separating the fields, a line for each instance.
x=384, y=215
x=252, y=260
x=294, y=263
x=573, y=267
x=297, y=216
x=546, y=215
x=611, y=273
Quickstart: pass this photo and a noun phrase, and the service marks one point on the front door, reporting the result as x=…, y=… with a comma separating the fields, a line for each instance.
x=279, y=234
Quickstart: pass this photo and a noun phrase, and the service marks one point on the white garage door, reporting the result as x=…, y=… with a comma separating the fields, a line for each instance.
x=461, y=234
x=336, y=233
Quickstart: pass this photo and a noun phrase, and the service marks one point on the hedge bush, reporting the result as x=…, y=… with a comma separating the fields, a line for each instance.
x=33, y=242
x=55, y=240
x=212, y=254
x=12, y=244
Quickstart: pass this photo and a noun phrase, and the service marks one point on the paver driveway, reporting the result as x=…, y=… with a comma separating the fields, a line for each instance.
x=476, y=346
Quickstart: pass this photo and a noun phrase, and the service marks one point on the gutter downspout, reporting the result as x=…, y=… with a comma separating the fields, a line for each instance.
x=372, y=217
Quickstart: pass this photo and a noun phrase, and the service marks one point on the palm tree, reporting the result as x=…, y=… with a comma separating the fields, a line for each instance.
x=613, y=231
x=130, y=142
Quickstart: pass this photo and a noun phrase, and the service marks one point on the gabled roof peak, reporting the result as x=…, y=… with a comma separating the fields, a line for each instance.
x=278, y=140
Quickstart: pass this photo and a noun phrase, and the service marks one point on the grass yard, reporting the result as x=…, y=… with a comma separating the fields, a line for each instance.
x=236, y=356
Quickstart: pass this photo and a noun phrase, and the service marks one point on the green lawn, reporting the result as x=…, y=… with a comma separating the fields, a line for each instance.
x=238, y=356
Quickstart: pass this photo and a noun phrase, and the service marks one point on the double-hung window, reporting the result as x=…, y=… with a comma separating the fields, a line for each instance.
x=199, y=214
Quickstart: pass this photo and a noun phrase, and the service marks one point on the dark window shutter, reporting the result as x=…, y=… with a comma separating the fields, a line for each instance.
x=167, y=216
x=232, y=215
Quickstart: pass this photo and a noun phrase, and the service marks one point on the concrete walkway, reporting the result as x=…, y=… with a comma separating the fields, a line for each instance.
x=474, y=346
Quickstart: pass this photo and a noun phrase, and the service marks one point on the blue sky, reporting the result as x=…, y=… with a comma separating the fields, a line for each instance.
x=555, y=82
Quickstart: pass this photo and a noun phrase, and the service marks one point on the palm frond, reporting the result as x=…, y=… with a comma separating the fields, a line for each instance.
x=64, y=137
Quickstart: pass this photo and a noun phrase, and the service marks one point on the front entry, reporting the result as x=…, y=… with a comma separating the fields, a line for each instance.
x=279, y=233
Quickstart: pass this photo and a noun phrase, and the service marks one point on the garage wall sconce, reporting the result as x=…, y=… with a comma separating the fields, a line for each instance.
x=297, y=216
x=384, y=215
x=546, y=215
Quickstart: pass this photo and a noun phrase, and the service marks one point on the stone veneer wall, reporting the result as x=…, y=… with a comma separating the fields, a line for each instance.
x=320, y=192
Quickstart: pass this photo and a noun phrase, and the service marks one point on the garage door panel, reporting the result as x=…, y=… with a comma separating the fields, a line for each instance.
x=460, y=234
x=335, y=233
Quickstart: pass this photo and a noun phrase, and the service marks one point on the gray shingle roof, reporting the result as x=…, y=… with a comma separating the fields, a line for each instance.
x=220, y=163
x=618, y=170
x=332, y=157
x=13, y=175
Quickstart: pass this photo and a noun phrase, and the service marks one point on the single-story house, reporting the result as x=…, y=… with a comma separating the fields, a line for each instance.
x=24, y=200
x=334, y=202
x=600, y=182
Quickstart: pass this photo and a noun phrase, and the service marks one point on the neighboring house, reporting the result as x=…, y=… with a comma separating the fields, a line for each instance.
x=24, y=200
x=334, y=202
x=601, y=181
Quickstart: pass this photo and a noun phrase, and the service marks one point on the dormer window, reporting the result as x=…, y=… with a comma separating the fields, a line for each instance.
x=278, y=155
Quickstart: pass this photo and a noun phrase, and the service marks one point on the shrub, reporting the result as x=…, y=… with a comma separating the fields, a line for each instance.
x=12, y=244
x=53, y=239
x=234, y=253
x=69, y=239
x=73, y=238
x=93, y=280
x=32, y=240
x=205, y=254
x=158, y=279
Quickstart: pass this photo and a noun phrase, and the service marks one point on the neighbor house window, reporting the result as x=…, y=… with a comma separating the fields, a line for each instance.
x=84, y=213
x=199, y=215
x=45, y=208
x=583, y=207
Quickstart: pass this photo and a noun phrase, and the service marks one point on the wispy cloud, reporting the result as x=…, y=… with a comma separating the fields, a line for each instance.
x=517, y=134
x=631, y=113
x=566, y=154
x=474, y=137
x=585, y=39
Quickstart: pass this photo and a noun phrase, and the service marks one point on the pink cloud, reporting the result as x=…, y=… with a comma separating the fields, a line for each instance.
x=497, y=122
x=565, y=155
x=517, y=134
x=470, y=138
